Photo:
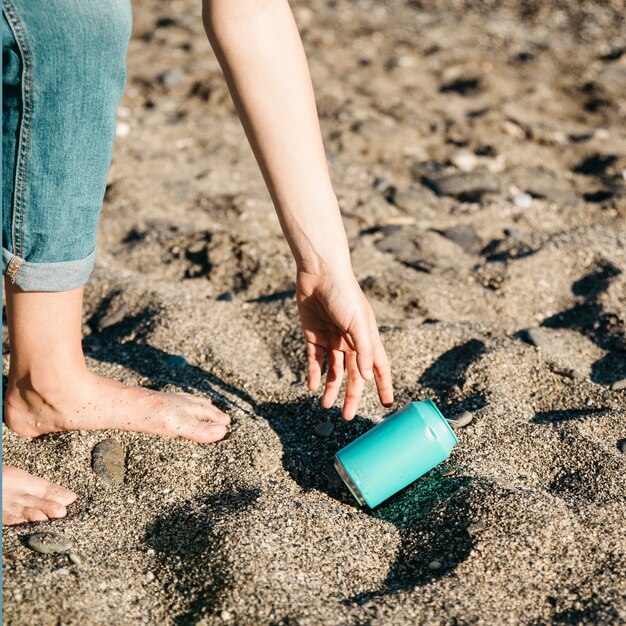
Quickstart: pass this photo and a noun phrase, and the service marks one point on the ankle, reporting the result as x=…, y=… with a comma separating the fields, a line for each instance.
x=47, y=382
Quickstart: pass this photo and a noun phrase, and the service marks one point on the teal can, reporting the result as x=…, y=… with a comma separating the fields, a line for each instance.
x=395, y=452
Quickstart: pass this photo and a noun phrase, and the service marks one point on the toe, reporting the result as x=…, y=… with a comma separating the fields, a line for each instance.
x=54, y=510
x=33, y=514
x=210, y=433
x=61, y=495
x=206, y=412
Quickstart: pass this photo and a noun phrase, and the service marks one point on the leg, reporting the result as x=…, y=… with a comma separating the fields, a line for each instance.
x=63, y=75
x=50, y=388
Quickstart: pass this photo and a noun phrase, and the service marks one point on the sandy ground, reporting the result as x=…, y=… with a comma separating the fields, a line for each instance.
x=479, y=153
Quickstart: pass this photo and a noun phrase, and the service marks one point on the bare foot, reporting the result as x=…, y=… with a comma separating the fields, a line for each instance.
x=84, y=401
x=27, y=498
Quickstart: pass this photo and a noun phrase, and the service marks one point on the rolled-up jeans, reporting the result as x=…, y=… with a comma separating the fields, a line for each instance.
x=63, y=74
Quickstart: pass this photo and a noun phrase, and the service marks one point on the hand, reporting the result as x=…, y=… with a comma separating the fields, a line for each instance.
x=339, y=324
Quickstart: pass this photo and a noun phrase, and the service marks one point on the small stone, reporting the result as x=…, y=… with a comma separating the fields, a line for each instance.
x=538, y=338
x=476, y=527
x=75, y=558
x=464, y=185
x=227, y=296
x=175, y=360
x=462, y=420
x=108, y=461
x=621, y=446
x=112, y=317
x=62, y=571
x=324, y=429
x=149, y=577
x=522, y=200
x=465, y=236
x=172, y=78
x=48, y=543
x=465, y=160
x=150, y=552
x=619, y=384
x=434, y=565
x=512, y=231
x=450, y=472
x=122, y=129
x=226, y=616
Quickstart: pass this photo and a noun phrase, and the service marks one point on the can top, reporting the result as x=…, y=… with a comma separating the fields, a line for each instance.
x=444, y=421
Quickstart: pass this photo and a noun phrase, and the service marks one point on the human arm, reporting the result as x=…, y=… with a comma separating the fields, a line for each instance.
x=261, y=54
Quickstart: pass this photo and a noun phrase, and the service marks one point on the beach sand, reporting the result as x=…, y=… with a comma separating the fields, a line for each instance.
x=479, y=154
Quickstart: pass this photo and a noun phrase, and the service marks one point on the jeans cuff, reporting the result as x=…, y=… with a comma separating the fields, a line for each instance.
x=63, y=276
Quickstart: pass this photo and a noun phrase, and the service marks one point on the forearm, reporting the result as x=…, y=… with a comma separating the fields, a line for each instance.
x=261, y=54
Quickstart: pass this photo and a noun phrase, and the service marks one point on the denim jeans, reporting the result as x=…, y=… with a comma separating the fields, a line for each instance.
x=63, y=74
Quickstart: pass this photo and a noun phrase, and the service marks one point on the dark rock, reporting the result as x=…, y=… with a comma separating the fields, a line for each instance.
x=396, y=244
x=108, y=461
x=539, y=338
x=325, y=429
x=464, y=185
x=464, y=235
x=542, y=183
x=48, y=543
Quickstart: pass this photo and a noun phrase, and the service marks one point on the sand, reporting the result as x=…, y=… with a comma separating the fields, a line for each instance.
x=523, y=105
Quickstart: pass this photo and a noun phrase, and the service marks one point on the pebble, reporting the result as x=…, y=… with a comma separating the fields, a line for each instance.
x=465, y=236
x=172, y=78
x=396, y=245
x=472, y=184
x=476, y=527
x=324, y=429
x=462, y=420
x=108, y=461
x=522, y=200
x=450, y=472
x=149, y=577
x=113, y=317
x=75, y=558
x=465, y=160
x=621, y=446
x=48, y=543
x=434, y=565
x=122, y=129
x=542, y=183
x=619, y=384
x=538, y=338
x=226, y=616
x=175, y=360
x=62, y=571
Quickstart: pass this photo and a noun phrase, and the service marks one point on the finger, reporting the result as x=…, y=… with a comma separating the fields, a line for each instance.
x=382, y=374
x=315, y=362
x=354, y=387
x=362, y=340
x=334, y=376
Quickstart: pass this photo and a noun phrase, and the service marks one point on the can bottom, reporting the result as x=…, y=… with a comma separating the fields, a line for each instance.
x=348, y=481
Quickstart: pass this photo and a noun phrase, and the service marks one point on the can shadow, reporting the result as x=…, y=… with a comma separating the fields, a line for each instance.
x=431, y=516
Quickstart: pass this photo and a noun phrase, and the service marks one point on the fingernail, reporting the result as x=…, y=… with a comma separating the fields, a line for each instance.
x=217, y=429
